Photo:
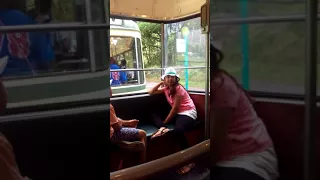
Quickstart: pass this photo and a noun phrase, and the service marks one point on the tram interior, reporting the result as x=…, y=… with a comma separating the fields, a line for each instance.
x=283, y=116
x=62, y=147
x=70, y=146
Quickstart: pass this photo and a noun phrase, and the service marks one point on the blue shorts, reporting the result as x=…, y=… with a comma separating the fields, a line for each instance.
x=126, y=134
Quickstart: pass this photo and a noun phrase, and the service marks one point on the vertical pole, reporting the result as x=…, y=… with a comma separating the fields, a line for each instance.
x=163, y=48
x=245, y=46
x=138, y=60
x=207, y=96
x=311, y=92
x=186, y=63
x=90, y=36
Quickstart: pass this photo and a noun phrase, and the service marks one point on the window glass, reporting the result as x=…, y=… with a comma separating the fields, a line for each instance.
x=267, y=57
x=151, y=50
x=126, y=53
x=129, y=48
x=275, y=53
x=55, y=66
x=246, y=8
x=186, y=47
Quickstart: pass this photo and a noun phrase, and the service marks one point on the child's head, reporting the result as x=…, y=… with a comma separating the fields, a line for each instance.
x=170, y=77
x=123, y=62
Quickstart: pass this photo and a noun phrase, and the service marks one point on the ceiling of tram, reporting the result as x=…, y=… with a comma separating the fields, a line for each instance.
x=161, y=10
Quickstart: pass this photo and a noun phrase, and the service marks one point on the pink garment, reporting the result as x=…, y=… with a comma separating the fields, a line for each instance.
x=8, y=167
x=113, y=119
x=186, y=102
x=246, y=132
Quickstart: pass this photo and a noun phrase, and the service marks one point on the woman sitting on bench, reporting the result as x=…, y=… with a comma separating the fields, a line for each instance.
x=183, y=112
x=126, y=135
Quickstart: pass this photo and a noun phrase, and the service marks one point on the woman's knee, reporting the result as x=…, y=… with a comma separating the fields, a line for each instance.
x=142, y=134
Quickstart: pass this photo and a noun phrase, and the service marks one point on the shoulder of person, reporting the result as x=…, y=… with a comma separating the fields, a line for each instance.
x=180, y=89
x=111, y=108
x=223, y=82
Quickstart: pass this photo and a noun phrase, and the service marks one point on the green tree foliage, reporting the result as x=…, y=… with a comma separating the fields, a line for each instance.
x=63, y=10
x=151, y=43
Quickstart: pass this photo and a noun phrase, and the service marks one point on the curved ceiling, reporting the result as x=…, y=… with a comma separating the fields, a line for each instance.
x=159, y=10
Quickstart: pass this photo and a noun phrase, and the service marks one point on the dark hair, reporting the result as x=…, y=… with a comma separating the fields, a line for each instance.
x=173, y=91
x=123, y=62
x=32, y=13
x=216, y=57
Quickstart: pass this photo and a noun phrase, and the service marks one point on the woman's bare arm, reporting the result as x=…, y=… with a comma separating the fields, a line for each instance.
x=156, y=89
x=174, y=109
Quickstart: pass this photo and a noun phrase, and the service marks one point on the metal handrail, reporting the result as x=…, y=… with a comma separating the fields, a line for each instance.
x=57, y=26
x=261, y=19
x=156, y=69
x=153, y=167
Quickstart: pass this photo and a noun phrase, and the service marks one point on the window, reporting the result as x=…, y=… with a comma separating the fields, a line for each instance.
x=246, y=8
x=126, y=52
x=62, y=51
x=145, y=52
x=177, y=55
x=265, y=57
x=59, y=66
x=275, y=53
x=151, y=50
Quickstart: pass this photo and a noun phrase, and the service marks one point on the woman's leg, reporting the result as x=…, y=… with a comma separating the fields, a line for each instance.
x=230, y=173
x=157, y=121
x=132, y=139
x=143, y=139
x=183, y=124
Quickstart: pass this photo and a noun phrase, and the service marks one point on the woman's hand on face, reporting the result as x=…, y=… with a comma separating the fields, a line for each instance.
x=162, y=84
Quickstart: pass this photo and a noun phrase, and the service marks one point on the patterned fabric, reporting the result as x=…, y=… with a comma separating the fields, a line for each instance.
x=125, y=134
